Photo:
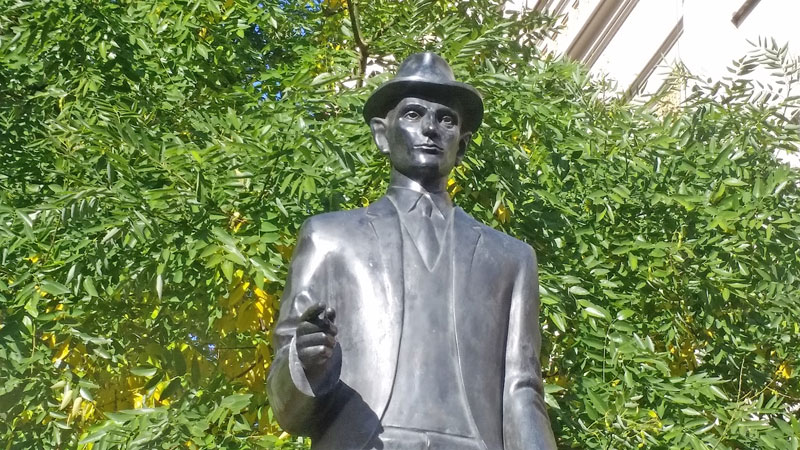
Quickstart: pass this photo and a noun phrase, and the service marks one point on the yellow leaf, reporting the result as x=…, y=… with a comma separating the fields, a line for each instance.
x=87, y=410
x=247, y=320
x=452, y=187
x=138, y=400
x=263, y=306
x=49, y=339
x=784, y=371
x=261, y=294
x=225, y=324
x=236, y=221
x=236, y=295
x=62, y=352
x=263, y=349
x=286, y=250
x=502, y=213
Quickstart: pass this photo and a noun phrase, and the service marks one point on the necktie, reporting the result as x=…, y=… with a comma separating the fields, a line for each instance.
x=426, y=239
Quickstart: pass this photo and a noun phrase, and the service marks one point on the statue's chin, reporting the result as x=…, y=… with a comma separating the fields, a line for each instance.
x=424, y=173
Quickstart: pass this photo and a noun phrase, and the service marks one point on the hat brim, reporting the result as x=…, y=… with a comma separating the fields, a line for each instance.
x=387, y=95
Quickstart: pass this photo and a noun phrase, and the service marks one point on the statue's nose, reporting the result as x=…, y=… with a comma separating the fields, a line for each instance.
x=429, y=125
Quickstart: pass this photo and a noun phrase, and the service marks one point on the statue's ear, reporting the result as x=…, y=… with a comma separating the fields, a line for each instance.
x=463, y=143
x=378, y=127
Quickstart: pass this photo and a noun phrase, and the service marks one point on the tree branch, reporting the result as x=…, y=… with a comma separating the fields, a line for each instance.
x=252, y=366
x=363, y=50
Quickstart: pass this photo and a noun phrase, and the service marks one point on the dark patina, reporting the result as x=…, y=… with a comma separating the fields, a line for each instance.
x=408, y=325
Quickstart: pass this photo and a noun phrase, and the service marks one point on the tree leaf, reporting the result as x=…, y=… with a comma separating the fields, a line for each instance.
x=53, y=287
x=144, y=371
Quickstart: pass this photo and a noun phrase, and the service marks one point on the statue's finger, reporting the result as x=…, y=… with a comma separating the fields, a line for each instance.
x=315, y=355
x=332, y=329
x=313, y=312
x=316, y=339
x=325, y=326
x=304, y=328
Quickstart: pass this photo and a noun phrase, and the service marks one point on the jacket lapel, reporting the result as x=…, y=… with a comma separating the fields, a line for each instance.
x=465, y=241
x=386, y=225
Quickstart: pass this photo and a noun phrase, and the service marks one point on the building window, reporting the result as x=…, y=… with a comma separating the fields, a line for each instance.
x=599, y=30
x=747, y=7
x=655, y=60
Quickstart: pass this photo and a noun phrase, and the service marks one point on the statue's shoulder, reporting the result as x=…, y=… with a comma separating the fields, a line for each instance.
x=504, y=244
x=334, y=223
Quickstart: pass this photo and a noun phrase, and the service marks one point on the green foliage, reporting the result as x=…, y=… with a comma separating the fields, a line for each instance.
x=159, y=157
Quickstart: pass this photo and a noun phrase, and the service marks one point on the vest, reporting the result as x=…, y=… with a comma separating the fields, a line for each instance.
x=428, y=394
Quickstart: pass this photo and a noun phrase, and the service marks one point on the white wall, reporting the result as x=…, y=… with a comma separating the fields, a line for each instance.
x=637, y=40
x=707, y=47
x=711, y=41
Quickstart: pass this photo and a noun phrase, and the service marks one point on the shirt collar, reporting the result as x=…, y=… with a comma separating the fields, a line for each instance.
x=406, y=197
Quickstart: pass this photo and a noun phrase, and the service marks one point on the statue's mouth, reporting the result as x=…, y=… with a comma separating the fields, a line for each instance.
x=429, y=148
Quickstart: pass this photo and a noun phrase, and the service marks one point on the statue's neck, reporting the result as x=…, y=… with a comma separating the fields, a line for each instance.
x=435, y=186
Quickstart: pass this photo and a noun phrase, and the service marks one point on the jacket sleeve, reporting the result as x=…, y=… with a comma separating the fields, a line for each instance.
x=526, y=425
x=297, y=401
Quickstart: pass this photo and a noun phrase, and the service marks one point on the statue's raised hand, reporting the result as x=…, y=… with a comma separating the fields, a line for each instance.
x=316, y=336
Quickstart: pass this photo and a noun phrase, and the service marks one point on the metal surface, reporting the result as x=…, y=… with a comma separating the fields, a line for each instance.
x=384, y=343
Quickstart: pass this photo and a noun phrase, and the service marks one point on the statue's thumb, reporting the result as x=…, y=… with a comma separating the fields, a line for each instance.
x=330, y=314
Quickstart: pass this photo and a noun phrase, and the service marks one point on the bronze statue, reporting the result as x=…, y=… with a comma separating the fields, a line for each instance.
x=408, y=325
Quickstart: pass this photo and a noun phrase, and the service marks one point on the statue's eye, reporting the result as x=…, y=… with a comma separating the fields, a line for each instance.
x=448, y=121
x=411, y=115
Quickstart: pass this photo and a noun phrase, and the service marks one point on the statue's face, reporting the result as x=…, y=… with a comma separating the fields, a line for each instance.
x=423, y=138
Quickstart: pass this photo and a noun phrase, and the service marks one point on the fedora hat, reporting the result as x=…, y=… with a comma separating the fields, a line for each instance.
x=427, y=75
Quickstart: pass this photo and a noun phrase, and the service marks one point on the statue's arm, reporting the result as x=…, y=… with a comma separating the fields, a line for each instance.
x=296, y=399
x=525, y=421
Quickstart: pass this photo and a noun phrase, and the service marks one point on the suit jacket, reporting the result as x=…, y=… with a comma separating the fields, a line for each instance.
x=352, y=261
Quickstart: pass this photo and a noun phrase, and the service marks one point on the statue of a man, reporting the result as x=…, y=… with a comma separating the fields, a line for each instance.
x=408, y=325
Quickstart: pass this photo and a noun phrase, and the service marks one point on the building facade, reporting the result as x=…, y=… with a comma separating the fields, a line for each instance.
x=638, y=43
